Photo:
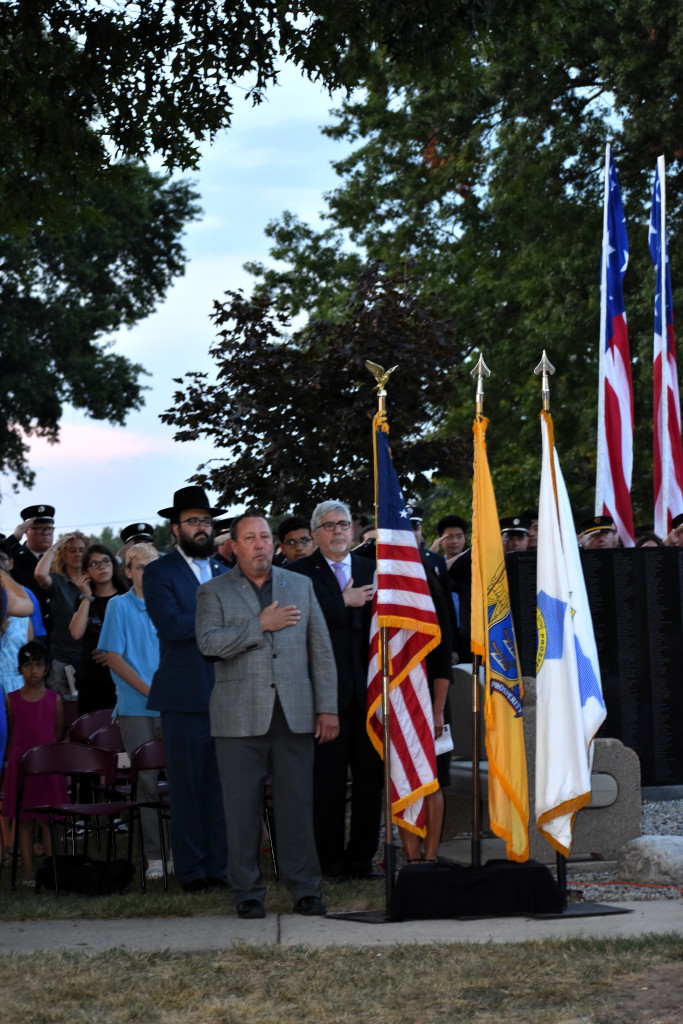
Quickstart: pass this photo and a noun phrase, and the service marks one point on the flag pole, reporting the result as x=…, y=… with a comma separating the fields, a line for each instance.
x=544, y=370
x=389, y=850
x=601, y=459
x=480, y=371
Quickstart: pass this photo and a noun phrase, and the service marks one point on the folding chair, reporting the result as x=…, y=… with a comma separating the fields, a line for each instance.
x=107, y=737
x=150, y=756
x=87, y=724
x=69, y=759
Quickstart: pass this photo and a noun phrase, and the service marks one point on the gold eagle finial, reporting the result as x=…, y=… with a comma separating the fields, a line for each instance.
x=380, y=374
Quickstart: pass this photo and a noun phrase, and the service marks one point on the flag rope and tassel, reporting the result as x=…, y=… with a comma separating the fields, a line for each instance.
x=379, y=423
x=404, y=629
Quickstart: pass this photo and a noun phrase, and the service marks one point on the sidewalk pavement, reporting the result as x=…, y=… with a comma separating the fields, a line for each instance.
x=199, y=934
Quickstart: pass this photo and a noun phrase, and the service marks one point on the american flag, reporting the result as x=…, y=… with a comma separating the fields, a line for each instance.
x=615, y=403
x=668, y=451
x=403, y=605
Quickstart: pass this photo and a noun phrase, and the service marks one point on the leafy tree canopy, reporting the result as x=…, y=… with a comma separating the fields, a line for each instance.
x=86, y=82
x=295, y=412
x=486, y=182
x=159, y=75
x=63, y=292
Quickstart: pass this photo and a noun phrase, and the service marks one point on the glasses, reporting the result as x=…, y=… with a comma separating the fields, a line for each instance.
x=343, y=524
x=98, y=565
x=298, y=541
x=195, y=521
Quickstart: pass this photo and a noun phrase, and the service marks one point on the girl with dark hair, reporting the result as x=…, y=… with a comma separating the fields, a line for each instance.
x=101, y=580
x=35, y=716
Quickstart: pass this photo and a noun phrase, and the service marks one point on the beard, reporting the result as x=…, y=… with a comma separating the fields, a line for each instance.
x=198, y=546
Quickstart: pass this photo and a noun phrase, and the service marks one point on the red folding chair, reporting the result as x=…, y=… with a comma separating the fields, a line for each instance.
x=70, y=759
x=87, y=724
x=107, y=737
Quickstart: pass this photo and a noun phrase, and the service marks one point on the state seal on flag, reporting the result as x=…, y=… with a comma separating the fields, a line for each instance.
x=541, y=639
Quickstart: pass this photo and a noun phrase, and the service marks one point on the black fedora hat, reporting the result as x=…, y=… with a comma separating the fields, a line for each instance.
x=189, y=497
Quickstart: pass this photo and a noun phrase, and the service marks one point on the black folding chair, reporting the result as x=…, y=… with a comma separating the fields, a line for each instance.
x=68, y=759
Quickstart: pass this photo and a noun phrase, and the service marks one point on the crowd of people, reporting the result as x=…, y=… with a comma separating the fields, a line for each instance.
x=247, y=654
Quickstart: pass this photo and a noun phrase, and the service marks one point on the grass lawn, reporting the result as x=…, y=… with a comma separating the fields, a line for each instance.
x=530, y=983
x=27, y=904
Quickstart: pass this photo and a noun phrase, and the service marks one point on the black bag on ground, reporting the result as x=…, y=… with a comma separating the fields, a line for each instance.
x=78, y=873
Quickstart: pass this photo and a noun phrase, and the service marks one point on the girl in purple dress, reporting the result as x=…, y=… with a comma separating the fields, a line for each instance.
x=35, y=715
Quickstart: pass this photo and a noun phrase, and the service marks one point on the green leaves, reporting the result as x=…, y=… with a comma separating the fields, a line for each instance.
x=62, y=293
x=482, y=182
x=293, y=412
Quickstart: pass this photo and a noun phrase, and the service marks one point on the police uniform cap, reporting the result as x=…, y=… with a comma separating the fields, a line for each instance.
x=596, y=524
x=137, y=531
x=39, y=513
x=515, y=524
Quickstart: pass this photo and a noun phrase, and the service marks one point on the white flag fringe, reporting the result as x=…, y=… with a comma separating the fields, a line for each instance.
x=569, y=703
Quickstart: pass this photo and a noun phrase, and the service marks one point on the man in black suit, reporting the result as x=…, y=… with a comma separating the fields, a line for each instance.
x=181, y=690
x=342, y=582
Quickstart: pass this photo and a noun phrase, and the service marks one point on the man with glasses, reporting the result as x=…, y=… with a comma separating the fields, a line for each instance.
x=295, y=540
x=38, y=528
x=342, y=582
x=181, y=689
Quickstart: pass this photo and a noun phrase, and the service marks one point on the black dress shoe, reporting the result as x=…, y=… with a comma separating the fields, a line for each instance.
x=250, y=909
x=216, y=883
x=310, y=906
x=196, y=885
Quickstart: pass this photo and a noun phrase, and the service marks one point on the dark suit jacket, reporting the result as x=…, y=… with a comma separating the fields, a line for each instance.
x=185, y=678
x=349, y=627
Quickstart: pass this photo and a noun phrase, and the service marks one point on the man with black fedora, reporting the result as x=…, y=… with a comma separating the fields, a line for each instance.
x=181, y=689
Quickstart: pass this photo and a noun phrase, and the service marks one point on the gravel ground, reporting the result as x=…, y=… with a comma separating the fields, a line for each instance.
x=664, y=818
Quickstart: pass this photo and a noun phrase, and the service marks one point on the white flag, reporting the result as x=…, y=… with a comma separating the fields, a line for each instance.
x=569, y=704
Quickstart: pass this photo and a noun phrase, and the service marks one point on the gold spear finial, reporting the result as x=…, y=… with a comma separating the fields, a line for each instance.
x=543, y=370
x=481, y=372
x=380, y=374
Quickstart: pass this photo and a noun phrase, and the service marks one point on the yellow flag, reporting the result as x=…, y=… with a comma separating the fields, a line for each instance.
x=493, y=639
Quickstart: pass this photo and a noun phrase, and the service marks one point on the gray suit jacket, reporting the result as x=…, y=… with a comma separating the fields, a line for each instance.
x=297, y=662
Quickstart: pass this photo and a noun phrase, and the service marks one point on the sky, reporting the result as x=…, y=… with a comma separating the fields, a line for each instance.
x=272, y=159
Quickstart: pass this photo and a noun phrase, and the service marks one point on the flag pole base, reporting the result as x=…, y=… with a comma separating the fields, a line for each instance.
x=362, y=916
x=586, y=909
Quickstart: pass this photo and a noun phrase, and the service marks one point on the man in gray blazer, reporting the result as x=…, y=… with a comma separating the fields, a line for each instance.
x=275, y=693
